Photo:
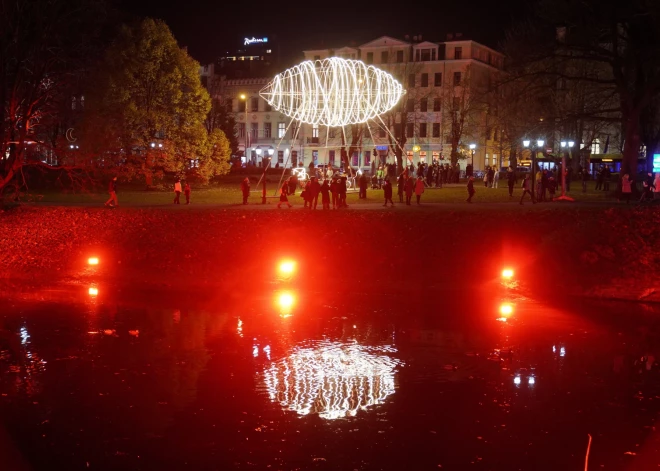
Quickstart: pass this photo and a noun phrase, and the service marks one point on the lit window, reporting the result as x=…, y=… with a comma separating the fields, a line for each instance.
x=595, y=146
x=268, y=51
x=281, y=130
x=315, y=130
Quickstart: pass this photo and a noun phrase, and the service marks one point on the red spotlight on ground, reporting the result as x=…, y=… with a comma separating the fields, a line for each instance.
x=506, y=309
x=287, y=268
x=93, y=261
x=507, y=273
x=93, y=291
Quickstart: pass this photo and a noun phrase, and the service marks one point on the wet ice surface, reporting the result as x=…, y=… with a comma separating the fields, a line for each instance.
x=312, y=380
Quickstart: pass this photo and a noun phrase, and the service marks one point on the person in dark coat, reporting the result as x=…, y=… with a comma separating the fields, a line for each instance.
x=400, y=184
x=245, y=189
x=409, y=187
x=293, y=183
x=491, y=177
x=325, y=195
x=470, y=189
x=334, y=191
x=363, y=186
x=511, y=180
x=284, y=192
x=342, y=192
x=313, y=189
x=387, y=191
x=186, y=191
x=607, y=177
x=599, y=179
x=112, y=191
x=527, y=188
x=585, y=179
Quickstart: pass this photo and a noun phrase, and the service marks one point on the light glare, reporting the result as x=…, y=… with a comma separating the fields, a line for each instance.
x=93, y=261
x=516, y=380
x=287, y=267
x=507, y=273
x=93, y=291
x=506, y=309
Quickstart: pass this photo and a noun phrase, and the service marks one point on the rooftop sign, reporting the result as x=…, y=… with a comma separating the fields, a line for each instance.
x=253, y=40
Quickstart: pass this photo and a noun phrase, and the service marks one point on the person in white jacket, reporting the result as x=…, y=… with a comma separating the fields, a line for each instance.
x=496, y=178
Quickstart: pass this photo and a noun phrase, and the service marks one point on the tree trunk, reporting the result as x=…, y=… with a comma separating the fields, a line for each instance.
x=631, y=146
x=399, y=158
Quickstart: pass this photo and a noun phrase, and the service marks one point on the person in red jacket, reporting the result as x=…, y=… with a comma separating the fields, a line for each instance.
x=112, y=190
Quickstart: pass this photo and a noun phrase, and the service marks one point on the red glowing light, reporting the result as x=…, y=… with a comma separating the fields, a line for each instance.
x=507, y=273
x=93, y=261
x=285, y=301
x=93, y=291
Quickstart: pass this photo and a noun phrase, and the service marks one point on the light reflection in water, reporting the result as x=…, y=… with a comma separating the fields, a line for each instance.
x=285, y=301
x=332, y=379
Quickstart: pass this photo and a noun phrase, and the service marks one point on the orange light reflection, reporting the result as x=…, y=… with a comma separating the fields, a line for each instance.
x=507, y=273
x=506, y=309
x=285, y=301
x=287, y=267
x=93, y=261
x=93, y=291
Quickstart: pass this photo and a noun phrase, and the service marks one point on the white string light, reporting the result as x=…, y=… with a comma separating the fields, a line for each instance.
x=332, y=379
x=333, y=92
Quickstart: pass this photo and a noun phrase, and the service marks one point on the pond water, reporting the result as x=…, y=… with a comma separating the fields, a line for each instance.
x=93, y=377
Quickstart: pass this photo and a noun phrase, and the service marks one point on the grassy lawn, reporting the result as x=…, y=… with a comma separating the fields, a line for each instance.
x=229, y=193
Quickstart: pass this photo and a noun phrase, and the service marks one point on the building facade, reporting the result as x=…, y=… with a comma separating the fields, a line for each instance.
x=442, y=104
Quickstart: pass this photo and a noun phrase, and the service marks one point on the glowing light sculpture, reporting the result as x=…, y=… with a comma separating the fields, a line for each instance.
x=332, y=379
x=333, y=92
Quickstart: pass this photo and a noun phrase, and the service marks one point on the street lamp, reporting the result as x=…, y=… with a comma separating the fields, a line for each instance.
x=472, y=147
x=527, y=144
x=566, y=147
x=243, y=97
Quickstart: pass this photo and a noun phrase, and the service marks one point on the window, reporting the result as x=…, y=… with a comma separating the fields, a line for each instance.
x=426, y=55
x=281, y=130
x=241, y=129
x=399, y=56
x=595, y=146
x=294, y=158
x=381, y=132
x=457, y=103
x=436, y=129
x=495, y=135
x=411, y=80
x=457, y=78
x=267, y=130
x=355, y=159
x=436, y=156
x=410, y=130
x=423, y=105
x=317, y=58
x=422, y=156
x=315, y=130
x=436, y=104
x=422, y=129
x=331, y=158
x=367, y=158
x=241, y=106
x=315, y=157
x=409, y=156
x=458, y=53
x=437, y=80
x=383, y=57
x=398, y=130
x=280, y=156
x=488, y=133
x=410, y=105
x=255, y=104
x=425, y=80
x=370, y=57
x=267, y=106
x=331, y=133
x=254, y=131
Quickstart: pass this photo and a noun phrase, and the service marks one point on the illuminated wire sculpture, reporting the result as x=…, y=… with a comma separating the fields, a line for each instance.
x=333, y=92
x=332, y=379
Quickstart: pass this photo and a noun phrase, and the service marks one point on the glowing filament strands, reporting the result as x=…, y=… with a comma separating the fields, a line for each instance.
x=333, y=92
x=333, y=380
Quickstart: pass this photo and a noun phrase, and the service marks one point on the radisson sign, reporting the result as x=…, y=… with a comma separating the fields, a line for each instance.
x=253, y=40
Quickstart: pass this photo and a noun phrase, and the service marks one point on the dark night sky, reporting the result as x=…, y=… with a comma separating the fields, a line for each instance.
x=209, y=27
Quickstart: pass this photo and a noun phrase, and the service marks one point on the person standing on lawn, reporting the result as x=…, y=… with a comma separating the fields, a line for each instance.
x=334, y=191
x=284, y=193
x=400, y=184
x=245, y=189
x=527, y=188
x=496, y=178
x=648, y=187
x=626, y=188
x=419, y=189
x=325, y=195
x=342, y=192
x=314, y=188
x=387, y=191
x=410, y=186
x=585, y=179
x=177, y=191
x=511, y=180
x=112, y=191
x=470, y=189
x=186, y=191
